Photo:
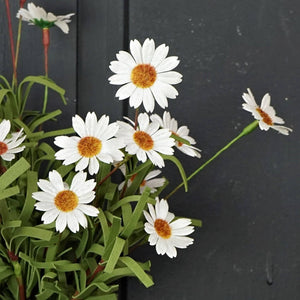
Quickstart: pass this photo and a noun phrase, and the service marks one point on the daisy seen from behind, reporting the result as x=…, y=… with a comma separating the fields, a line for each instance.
x=182, y=132
x=164, y=233
x=147, y=140
x=265, y=114
x=150, y=180
x=145, y=74
x=10, y=145
x=36, y=15
x=67, y=205
x=96, y=142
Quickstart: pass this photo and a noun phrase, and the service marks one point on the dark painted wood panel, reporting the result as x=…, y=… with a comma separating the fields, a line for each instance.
x=248, y=200
x=62, y=56
x=101, y=28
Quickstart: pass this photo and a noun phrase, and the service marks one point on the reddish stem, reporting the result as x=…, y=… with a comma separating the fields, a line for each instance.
x=22, y=2
x=99, y=268
x=46, y=42
x=136, y=118
x=11, y=37
x=109, y=174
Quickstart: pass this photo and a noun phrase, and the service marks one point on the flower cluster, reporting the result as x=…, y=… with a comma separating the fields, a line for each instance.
x=73, y=205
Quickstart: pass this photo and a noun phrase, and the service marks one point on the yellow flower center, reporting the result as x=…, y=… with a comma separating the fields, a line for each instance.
x=3, y=148
x=143, y=140
x=162, y=228
x=143, y=75
x=265, y=116
x=89, y=146
x=66, y=201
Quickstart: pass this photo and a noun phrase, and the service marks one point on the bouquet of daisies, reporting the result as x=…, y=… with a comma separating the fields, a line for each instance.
x=75, y=202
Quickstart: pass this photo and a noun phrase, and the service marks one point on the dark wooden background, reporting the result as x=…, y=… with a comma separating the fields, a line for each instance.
x=249, y=246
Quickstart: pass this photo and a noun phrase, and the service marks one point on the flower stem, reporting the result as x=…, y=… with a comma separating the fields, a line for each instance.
x=22, y=2
x=136, y=118
x=245, y=131
x=18, y=272
x=17, y=50
x=118, y=165
x=46, y=42
x=11, y=38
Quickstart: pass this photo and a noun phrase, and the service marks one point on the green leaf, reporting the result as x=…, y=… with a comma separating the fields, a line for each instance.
x=137, y=270
x=138, y=211
x=58, y=132
x=114, y=254
x=9, y=192
x=113, y=233
x=32, y=232
x=179, y=166
x=128, y=199
x=13, y=172
x=180, y=139
x=5, y=272
x=39, y=80
x=96, y=249
x=104, y=225
x=44, y=118
x=101, y=286
x=28, y=207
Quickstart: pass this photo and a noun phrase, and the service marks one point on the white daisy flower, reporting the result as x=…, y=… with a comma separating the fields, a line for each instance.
x=36, y=15
x=95, y=142
x=265, y=114
x=67, y=205
x=165, y=234
x=149, y=181
x=146, y=75
x=182, y=132
x=10, y=145
x=147, y=140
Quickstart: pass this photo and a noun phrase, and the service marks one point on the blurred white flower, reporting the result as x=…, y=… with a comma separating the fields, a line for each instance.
x=182, y=132
x=149, y=181
x=145, y=74
x=68, y=205
x=95, y=142
x=265, y=114
x=10, y=145
x=165, y=234
x=36, y=15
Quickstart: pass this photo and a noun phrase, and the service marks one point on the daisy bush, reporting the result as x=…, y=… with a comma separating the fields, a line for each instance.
x=75, y=202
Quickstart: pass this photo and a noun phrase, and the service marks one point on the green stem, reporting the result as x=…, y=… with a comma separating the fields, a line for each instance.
x=18, y=273
x=245, y=131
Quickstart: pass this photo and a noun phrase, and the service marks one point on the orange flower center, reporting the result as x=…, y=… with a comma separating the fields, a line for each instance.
x=3, y=148
x=133, y=177
x=143, y=75
x=143, y=140
x=162, y=228
x=89, y=146
x=179, y=144
x=66, y=201
x=266, y=117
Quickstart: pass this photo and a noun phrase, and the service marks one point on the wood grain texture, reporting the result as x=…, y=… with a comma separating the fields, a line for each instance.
x=248, y=200
x=101, y=28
